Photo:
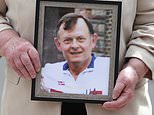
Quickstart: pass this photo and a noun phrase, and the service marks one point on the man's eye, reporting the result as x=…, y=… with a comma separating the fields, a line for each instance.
x=67, y=41
x=81, y=39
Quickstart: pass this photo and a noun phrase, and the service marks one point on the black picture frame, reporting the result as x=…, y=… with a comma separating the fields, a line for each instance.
x=106, y=19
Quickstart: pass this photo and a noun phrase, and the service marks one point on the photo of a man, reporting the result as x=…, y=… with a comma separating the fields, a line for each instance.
x=82, y=72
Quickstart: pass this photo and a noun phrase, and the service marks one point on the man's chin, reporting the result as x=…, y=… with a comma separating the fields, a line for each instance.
x=75, y=61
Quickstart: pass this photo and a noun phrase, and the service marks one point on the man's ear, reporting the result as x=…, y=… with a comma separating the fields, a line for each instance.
x=57, y=43
x=94, y=40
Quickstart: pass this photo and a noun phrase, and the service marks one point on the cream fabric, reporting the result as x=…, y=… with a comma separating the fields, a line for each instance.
x=16, y=93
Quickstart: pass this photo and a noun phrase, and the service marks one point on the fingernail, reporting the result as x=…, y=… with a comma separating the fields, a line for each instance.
x=33, y=76
x=38, y=69
x=114, y=96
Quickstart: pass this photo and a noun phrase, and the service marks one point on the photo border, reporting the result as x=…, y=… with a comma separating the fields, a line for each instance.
x=115, y=55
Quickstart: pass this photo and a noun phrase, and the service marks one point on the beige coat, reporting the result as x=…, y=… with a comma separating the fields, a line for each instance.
x=17, y=92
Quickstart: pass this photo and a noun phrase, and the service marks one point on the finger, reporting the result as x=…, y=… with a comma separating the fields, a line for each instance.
x=34, y=56
x=19, y=65
x=28, y=64
x=13, y=66
x=116, y=104
x=118, y=89
x=124, y=99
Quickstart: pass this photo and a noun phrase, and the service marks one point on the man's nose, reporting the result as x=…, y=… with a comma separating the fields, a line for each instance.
x=74, y=43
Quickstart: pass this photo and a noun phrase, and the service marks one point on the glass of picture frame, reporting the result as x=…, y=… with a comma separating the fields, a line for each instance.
x=50, y=85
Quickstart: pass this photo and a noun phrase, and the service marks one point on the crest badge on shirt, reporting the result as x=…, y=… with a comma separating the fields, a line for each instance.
x=61, y=83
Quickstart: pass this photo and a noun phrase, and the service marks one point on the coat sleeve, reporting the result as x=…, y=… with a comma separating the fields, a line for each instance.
x=141, y=44
x=4, y=21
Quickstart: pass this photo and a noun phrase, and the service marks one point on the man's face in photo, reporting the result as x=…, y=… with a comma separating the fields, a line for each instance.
x=76, y=43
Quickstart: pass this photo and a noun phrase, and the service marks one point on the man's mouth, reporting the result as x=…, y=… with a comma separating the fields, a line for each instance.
x=75, y=53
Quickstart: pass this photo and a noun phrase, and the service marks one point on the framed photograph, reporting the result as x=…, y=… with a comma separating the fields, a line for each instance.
x=78, y=44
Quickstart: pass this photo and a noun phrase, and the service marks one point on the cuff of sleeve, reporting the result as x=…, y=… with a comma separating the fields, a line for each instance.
x=4, y=27
x=144, y=55
x=4, y=23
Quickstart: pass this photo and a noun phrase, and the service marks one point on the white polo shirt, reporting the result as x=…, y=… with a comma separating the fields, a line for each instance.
x=56, y=78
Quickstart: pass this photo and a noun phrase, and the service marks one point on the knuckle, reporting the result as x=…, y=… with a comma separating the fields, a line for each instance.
x=117, y=92
x=23, y=46
x=25, y=43
x=126, y=81
x=25, y=60
x=18, y=65
x=32, y=71
x=35, y=57
x=33, y=53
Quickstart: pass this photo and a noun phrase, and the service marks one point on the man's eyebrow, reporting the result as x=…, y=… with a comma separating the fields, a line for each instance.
x=68, y=37
x=80, y=36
